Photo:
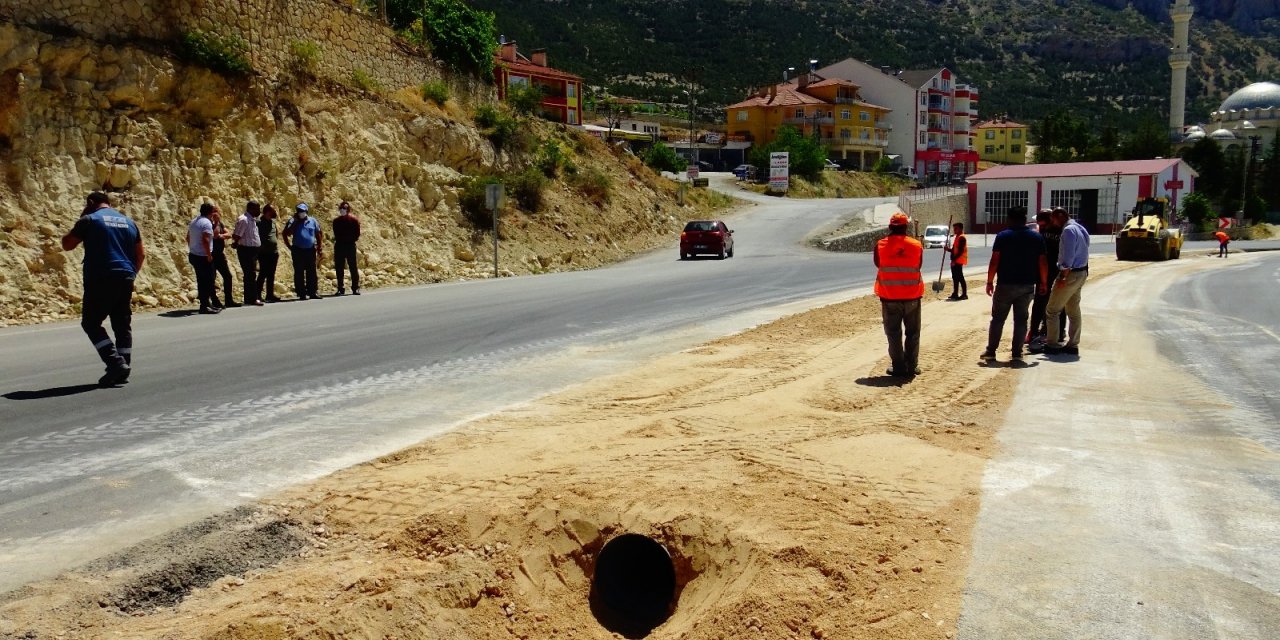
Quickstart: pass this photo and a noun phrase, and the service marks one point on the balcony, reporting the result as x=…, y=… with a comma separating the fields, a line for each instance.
x=853, y=142
x=884, y=124
x=810, y=121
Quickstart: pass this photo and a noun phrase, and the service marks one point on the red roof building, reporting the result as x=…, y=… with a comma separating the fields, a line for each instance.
x=561, y=90
x=1098, y=194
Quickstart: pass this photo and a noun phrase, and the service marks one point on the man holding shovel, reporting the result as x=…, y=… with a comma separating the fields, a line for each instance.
x=959, y=250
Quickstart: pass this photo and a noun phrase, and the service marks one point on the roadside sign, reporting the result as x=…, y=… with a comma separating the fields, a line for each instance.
x=1174, y=185
x=1225, y=223
x=779, y=171
x=712, y=138
x=493, y=196
x=692, y=171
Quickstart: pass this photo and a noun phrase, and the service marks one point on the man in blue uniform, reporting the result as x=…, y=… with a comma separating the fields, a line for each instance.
x=112, y=257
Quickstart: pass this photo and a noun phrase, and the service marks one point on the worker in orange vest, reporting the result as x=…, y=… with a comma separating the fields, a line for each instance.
x=900, y=287
x=959, y=250
x=1223, y=241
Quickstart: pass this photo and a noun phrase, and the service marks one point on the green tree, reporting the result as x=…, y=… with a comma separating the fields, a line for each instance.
x=1205, y=156
x=1149, y=140
x=524, y=100
x=1268, y=176
x=1062, y=137
x=460, y=35
x=807, y=156
x=660, y=157
x=1197, y=210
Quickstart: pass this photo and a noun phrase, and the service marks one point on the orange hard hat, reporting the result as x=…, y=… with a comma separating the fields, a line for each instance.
x=899, y=220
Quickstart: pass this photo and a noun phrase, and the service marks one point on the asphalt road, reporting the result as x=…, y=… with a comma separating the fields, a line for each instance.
x=222, y=409
x=1137, y=490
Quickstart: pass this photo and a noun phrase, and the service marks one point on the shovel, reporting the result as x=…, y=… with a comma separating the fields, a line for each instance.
x=940, y=286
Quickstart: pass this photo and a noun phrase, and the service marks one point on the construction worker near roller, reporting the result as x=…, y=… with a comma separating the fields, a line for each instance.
x=899, y=285
x=113, y=256
x=1223, y=241
x=959, y=250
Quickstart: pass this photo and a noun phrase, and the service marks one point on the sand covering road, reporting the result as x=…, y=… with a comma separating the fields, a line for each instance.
x=800, y=492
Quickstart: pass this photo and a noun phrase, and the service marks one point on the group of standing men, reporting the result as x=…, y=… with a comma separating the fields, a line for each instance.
x=254, y=239
x=1037, y=274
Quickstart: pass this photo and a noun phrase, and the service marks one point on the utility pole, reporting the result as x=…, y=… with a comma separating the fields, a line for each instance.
x=1118, y=180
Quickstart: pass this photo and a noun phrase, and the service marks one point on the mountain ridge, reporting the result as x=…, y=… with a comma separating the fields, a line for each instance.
x=1104, y=59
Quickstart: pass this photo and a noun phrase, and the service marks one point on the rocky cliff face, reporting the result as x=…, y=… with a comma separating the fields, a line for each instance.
x=162, y=137
x=1245, y=15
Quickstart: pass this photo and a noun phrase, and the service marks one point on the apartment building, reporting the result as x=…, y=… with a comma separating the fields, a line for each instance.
x=854, y=131
x=931, y=114
x=561, y=91
x=1002, y=140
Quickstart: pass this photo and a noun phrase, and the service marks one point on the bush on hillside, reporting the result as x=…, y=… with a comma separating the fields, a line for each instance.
x=365, y=81
x=551, y=158
x=472, y=201
x=593, y=183
x=306, y=56
x=436, y=91
x=526, y=188
x=460, y=35
x=524, y=100
x=224, y=54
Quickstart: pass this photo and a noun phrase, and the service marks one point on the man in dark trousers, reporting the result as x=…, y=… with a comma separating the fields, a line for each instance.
x=899, y=285
x=346, y=231
x=959, y=250
x=113, y=256
x=1017, y=271
x=1038, y=332
x=200, y=255
x=220, y=265
x=303, y=238
x=244, y=237
x=268, y=255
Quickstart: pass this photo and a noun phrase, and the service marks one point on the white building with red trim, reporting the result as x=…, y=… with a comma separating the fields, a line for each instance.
x=933, y=115
x=1099, y=195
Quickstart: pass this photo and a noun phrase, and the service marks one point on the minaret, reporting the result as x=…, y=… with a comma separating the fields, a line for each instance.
x=1179, y=60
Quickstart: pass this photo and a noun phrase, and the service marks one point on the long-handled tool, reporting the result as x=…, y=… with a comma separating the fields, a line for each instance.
x=940, y=286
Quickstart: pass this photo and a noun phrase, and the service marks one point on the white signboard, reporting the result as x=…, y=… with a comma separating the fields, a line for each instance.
x=779, y=171
x=692, y=171
x=712, y=138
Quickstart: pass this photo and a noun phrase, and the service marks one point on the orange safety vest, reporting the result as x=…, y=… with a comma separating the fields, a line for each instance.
x=962, y=257
x=1222, y=237
x=899, y=276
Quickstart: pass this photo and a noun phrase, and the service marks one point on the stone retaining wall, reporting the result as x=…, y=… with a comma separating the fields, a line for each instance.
x=349, y=42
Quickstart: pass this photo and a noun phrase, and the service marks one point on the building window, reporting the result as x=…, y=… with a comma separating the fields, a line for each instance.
x=998, y=203
x=924, y=99
x=571, y=91
x=923, y=140
x=864, y=116
x=742, y=116
x=1069, y=200
x=864, y=134
x=989, y=134
x=991, y=148
x=845, y=134
x=517, y=81
x=1017, y=134
x=573, y=116
x=1015, y=148
x=923, y=119
x=845, y=114
x=799, y=113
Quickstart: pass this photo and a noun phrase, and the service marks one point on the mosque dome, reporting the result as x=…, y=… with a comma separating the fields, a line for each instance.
x=1194, y=136
x=1259, y=95
x=1222, y=134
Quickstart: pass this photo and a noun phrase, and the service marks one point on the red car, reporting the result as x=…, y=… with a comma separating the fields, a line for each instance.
x=707, y=237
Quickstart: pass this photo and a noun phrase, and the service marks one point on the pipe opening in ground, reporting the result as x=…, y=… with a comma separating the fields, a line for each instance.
x=633, y=589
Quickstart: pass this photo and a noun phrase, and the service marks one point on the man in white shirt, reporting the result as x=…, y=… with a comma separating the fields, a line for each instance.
x=200, y=254
x=247, y=242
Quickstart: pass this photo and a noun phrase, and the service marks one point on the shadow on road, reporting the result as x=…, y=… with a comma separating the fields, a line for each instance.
x=882, y=381
x=54, y=392
x=179, y=313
